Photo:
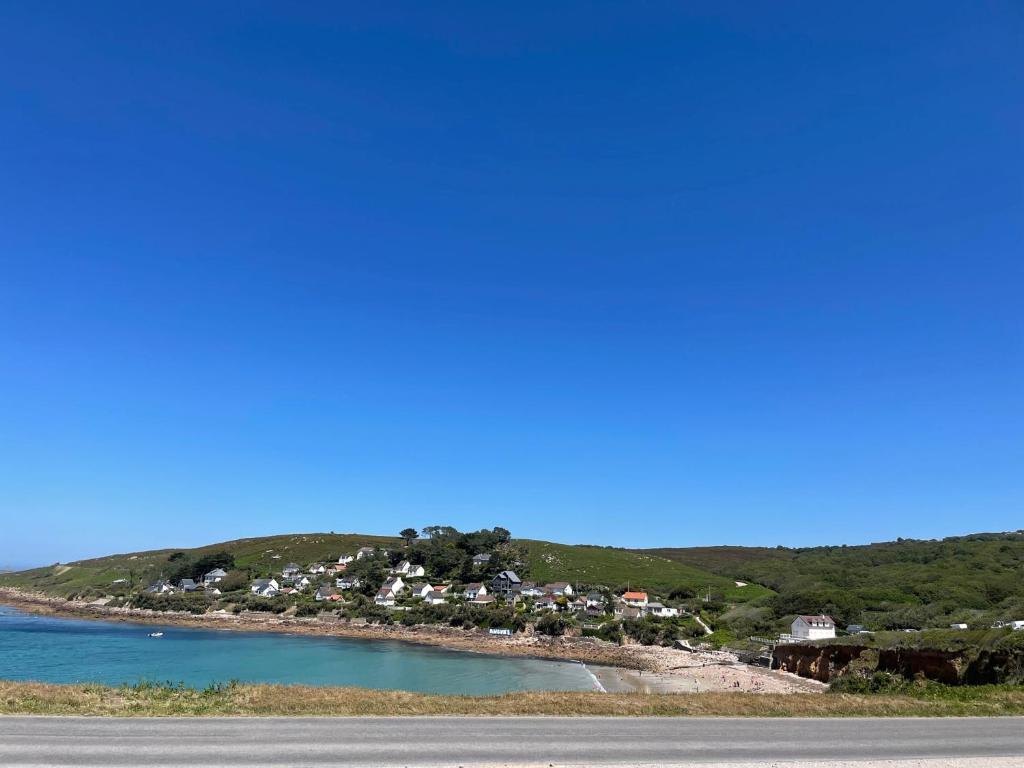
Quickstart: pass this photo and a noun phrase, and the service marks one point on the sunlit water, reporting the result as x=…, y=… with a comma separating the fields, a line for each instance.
x=59, y=650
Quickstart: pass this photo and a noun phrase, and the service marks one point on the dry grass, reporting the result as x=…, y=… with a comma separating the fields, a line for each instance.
x=238, y=700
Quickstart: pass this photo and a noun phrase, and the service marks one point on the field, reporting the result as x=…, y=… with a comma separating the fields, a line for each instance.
x=240, y=700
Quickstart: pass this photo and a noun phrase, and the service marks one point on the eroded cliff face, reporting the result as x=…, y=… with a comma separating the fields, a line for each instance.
x=826, y=662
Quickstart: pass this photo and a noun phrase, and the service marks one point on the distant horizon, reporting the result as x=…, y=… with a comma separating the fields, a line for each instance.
x=179, y=545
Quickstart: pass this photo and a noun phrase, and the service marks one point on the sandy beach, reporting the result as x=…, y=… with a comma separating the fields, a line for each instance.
x=647, y=669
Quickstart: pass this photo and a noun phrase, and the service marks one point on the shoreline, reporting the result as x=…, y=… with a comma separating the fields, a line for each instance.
x=615, y=668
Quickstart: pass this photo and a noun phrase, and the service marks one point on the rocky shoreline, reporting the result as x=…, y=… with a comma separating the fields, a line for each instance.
x=579, y=649
x=618, y=668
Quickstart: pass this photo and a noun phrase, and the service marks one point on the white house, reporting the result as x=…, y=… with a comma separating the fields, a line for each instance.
x=345, y=559
x=530, y=589
x=395, y=584
x=813, y=627
x=266, y=587
x=595, y=600
x=635, y=599
x=160, y=588
x=214, y=576
x=317, y=569
x=658, y=609
x=433, y=597
x=421, y=589
x=474, y=590
x=291, y=570
x=347, y=582
x=958, y=626
x=385, y=597
x=323, y=593
x=559, y=588
x=405, y=568
x=363, y=552
x=1015, y=624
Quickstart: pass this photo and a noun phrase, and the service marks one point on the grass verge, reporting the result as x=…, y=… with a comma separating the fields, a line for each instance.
x=162, y=700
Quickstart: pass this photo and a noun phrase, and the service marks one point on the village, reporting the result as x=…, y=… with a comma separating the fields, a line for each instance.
x=405, y=587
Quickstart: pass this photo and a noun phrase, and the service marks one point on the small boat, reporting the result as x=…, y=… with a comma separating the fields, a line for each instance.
x=155, y=634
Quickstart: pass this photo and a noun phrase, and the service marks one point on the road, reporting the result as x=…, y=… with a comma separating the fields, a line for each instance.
x=433, y=741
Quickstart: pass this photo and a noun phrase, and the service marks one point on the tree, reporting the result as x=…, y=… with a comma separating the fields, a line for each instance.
x=409, y=534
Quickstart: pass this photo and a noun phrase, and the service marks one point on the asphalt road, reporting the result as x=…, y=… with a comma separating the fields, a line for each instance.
x=431, y=741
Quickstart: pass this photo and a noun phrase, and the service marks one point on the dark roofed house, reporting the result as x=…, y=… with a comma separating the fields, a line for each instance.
x=160, y=587
x=482, y=559
x=323, y=592
x=187, y=585
x=507, y=583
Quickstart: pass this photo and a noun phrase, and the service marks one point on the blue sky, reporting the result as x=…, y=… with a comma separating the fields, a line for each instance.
x=667, y=274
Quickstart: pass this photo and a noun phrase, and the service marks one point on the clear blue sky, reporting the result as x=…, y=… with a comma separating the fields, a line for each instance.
x=657, y=274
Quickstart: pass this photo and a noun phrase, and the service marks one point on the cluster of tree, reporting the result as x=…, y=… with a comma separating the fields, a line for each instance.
x=892, y=585
x=191, y=602
x=181, y=566
x=447, y=553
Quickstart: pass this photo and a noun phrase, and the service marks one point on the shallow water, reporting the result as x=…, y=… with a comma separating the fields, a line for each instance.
x=57, y=650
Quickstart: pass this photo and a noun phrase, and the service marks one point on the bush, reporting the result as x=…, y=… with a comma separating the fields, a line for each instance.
x=552, y=624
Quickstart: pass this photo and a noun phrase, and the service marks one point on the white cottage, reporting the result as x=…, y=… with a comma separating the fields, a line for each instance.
x=813, y=628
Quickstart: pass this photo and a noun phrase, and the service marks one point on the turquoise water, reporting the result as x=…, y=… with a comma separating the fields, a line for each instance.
x=47, y=649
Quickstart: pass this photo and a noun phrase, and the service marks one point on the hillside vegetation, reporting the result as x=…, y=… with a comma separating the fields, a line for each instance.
x=543, y=562
x=256, y=556
x=975, y=579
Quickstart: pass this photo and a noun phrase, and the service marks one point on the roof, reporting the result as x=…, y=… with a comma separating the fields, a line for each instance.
x=261, y=582
x=483, y=557
x=509, y=576
x=634, y=596
x=822, y=619
x=292, y=565
x=434, y=594
x=473, y=585
x=217, y=572
x=557, y=585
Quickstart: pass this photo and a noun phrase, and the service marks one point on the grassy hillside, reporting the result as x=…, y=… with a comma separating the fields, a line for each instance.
x=975, y=579
x=616, y=568
x=261, y=555
x=545, y=562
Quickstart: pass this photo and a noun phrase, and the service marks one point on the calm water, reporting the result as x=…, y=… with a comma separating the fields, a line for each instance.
x=70, y=650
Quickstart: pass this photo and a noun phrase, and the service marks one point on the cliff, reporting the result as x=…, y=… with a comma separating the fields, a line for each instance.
x=969, y=666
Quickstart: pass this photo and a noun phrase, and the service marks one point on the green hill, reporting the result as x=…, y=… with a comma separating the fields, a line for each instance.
x=906, y=583
x=544, y=562
x=616, y=568
x=261, y=555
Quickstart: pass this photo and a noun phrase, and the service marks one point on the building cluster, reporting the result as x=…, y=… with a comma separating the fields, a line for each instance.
x=208, y=584
x=407, y=582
